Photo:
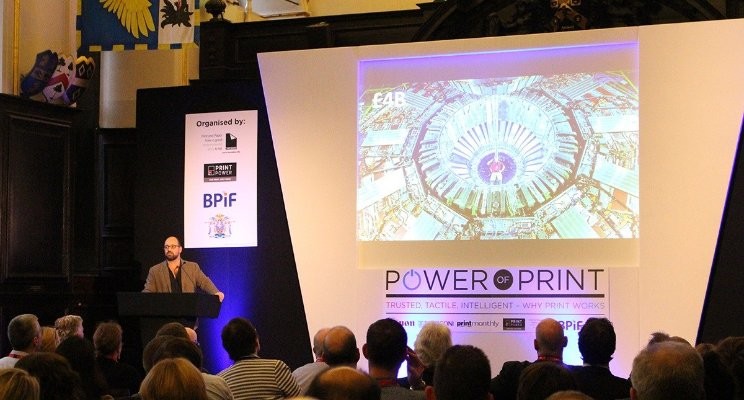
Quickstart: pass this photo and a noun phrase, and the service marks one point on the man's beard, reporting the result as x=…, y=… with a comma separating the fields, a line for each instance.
x=170, y=256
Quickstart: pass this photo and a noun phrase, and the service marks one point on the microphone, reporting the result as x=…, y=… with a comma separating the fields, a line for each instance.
x=189, y=276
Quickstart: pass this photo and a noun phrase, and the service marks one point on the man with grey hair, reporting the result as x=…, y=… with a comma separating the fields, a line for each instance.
x=24, y=334
x=306, y=373
x=668, y=371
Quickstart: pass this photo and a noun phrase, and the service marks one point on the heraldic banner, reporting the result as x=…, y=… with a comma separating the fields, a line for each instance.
x=105, y=25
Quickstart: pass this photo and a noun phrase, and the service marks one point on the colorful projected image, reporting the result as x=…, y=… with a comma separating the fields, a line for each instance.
x=527, y=157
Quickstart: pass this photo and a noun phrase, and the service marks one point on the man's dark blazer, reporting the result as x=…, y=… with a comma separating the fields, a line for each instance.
x=504, y=385
x=600, y=384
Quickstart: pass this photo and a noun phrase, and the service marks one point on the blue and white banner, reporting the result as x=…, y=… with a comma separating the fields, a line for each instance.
x=105, y=25
x=220, y=179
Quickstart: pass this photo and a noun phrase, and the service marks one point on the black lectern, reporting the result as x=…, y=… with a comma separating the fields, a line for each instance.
x=156, y=309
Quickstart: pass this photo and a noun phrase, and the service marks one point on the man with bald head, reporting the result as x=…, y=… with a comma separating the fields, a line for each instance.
x=340, y=347
x=344, y=383
x=306, y=373
x=549, y=343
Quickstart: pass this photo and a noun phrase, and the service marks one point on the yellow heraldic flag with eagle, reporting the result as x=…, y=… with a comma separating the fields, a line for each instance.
x=133, y=14
x=137, y=24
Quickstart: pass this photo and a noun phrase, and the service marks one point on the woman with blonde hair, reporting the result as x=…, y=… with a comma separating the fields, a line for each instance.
x=17, y=384
x=68, y=325
x=173, y=379
x=48, y=338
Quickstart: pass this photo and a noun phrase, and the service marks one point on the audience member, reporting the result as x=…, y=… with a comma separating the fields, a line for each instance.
x=549, y=343
x=17, y=384
x=306, y=373
x=668, y=370
x=463, y=373
x=597, y=343
x=340, y=347
x=540, y=380
x=176, y=329
x=57, y=380
x=177, y=347
x=68, y=325
x=122, y=379
x=48, y=338
x=658, y=337
x=431, y=342
x=81, y=355
x=719, y=382
x=24, y=334
x=192, y=334
x=173, y=379
x=149, y=351
x=570, y=395
x=386, y=350
x=731, y=350
x=251, y=376
x=344, y=383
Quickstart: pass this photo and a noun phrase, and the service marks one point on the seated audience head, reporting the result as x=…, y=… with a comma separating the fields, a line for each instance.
x=239, y=338
x=731, y=350
x=431, y=342
x=549, y=339
x=597, y=341
x=344, y=383
x=81, y=355
x=192, y=335
x=386, y=344
x=175, y=347
x=668, y=370
x=541, y=379
x=339, y=347
x=173, y=379
x=173, y=329
x=24, y=333
x=462, y=373
x=658, y=337
x=148, y=353
x=719, y=381
x=569, y=395
x=318, y=339
x=68, y=325
x=17, y=384
x=57, y=380
x=48, y=338
x=107, y=340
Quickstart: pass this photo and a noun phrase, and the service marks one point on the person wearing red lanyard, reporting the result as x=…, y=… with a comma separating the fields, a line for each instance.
x=24, y=334
x=386, y=349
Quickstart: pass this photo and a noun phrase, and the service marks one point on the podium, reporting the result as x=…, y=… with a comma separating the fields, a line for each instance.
x=156, y=309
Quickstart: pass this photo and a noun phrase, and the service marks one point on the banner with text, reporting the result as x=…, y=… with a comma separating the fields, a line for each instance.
x=496, y=300
x=220, y=179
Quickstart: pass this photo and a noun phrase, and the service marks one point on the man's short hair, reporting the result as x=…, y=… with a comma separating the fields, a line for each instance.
x=462, y=373
x=668, y=370
x=541, y=379
x=22, y=330
x=239, y=338
x=340, y=346
x=597, y=341
x=175, y=347
x=386, y=343
x=107, y=338
x=344, y=383
x=173, y=329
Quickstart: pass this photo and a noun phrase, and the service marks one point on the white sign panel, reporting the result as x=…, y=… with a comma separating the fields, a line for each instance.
x=220, y=179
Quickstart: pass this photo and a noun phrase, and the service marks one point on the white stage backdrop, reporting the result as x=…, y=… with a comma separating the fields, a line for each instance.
x=690, y=111
x=220, y=179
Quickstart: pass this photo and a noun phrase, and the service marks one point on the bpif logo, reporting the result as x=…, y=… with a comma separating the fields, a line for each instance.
x=219, y=199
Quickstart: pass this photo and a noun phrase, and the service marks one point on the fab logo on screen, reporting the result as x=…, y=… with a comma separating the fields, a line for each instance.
x=224, y=199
